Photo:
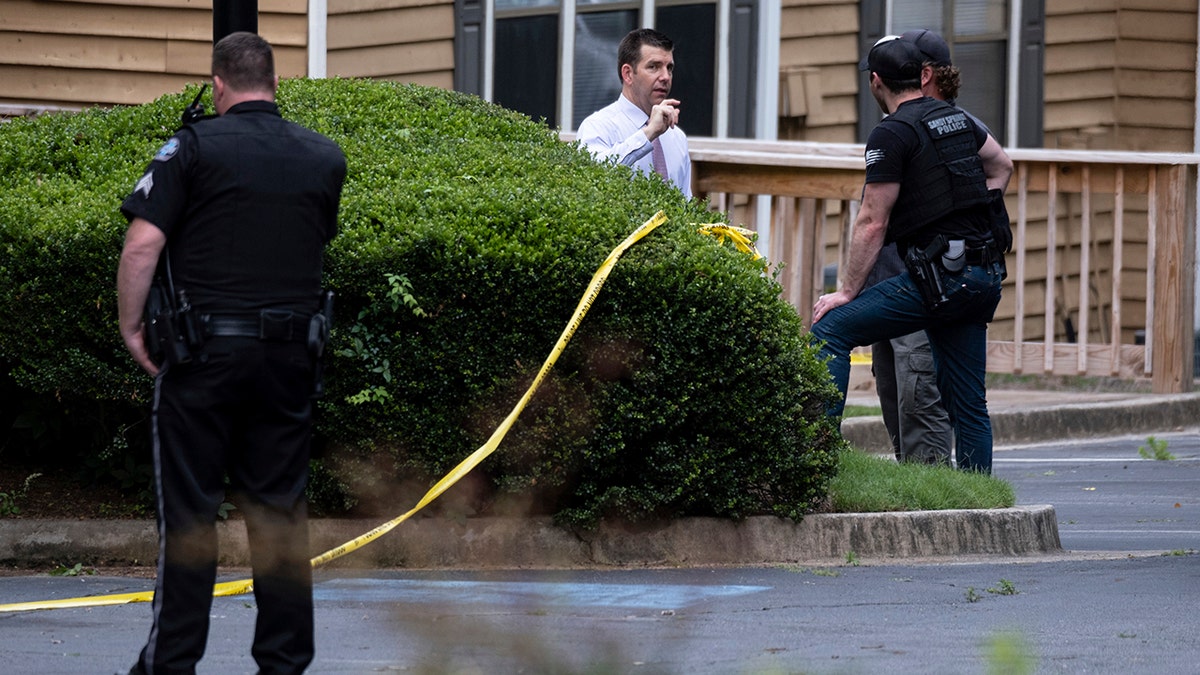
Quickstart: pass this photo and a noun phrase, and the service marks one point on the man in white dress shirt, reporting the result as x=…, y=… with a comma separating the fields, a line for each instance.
x=641, y=128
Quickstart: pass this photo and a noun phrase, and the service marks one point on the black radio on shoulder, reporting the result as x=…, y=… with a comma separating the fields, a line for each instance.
x=195, y=112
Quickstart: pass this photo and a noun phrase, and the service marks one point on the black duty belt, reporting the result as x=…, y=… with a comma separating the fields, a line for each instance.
x=982, y=254
x=269, y=324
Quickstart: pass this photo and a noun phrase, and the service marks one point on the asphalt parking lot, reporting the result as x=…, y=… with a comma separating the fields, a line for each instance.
x=1121, y=598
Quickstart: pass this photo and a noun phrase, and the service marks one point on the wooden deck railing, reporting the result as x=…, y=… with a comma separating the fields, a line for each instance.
x=1101, y=279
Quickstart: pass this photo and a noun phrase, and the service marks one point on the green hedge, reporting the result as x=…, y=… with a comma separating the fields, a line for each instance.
x=468, y=234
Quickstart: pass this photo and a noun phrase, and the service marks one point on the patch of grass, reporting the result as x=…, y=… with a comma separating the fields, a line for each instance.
x=869, y=483
x=862, y=411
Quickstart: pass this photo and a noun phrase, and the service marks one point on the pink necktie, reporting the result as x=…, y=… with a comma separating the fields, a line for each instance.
x=658, y=159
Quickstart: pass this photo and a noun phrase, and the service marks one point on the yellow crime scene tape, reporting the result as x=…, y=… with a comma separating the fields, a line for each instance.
x=240, y=586
x=740, y=236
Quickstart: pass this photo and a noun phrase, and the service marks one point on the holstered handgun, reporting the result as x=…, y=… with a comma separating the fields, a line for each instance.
x=171, y=329
x=926, y=269
x=318, y=338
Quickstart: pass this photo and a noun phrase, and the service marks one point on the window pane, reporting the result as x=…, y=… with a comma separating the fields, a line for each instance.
x=693, y=28
x=526, y=66
x=502, y=5
x=914, y=14
x=982, y=68
x=597, y=82
x=980, y=17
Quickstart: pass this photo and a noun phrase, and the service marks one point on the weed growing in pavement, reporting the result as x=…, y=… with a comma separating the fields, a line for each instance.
x=1005, y=587
x=972, y=595
x=852, y=558
x=1155, y=449
x=77, y=570
x=9, y=501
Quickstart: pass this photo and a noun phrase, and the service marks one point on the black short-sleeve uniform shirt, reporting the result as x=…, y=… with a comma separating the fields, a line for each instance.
x=247, y=201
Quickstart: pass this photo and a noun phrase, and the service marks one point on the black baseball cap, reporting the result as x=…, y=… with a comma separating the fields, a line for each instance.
x=932, y=46
x=893, y=58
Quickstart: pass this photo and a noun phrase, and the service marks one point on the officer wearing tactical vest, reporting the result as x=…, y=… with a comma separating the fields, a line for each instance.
x=928, y=173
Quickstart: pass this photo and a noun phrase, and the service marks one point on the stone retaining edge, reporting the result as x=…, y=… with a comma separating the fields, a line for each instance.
x=536, y=543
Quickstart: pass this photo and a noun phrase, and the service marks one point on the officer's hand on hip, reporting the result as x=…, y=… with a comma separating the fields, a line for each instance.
x=136, y=344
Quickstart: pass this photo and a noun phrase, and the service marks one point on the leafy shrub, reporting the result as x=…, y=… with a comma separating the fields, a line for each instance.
x=468, y=234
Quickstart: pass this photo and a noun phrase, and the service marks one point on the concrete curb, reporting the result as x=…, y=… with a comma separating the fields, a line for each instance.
x=1138, y=414
x=537, y=543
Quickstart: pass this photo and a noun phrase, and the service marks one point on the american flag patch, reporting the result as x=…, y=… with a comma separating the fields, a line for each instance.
x=873, y=156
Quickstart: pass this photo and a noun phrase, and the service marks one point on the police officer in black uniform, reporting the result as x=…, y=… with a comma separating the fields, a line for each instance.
x=929, y=172
x=238, y=209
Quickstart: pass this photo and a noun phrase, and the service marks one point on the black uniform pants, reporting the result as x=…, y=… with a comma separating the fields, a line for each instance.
x=241, y=407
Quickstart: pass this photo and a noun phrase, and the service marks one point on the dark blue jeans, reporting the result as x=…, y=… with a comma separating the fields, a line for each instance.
x=957, y=333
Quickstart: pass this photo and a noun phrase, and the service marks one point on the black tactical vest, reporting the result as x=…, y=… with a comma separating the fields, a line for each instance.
x=945, y=174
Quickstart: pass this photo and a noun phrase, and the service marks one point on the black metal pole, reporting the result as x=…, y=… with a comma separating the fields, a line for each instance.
x=231, y=16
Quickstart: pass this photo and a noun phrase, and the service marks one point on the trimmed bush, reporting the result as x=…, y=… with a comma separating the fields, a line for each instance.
x=468, y=234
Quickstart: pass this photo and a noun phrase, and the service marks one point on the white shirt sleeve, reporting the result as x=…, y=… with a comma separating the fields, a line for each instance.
x=603, y=139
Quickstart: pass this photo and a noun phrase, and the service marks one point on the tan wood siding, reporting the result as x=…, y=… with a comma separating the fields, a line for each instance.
x=821, y=37
x=1120, y=74
x=75, y=53
x=401, y=40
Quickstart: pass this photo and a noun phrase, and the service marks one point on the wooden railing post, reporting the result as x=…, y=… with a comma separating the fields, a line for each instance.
x=1172, y=347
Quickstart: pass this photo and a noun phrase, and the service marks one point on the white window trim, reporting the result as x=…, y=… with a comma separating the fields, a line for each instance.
x=489, y=47
x=318, y=46
x=1014, y=67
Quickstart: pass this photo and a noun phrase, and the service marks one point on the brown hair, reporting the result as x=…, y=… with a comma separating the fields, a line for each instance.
x=245, y=62
x=630, y=49
x=947, y=80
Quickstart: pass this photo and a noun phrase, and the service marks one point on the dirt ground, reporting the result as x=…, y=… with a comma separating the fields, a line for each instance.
x=56, y=494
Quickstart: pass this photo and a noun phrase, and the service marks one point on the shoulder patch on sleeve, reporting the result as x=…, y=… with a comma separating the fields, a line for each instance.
x=145, y=185
x=168, y=150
